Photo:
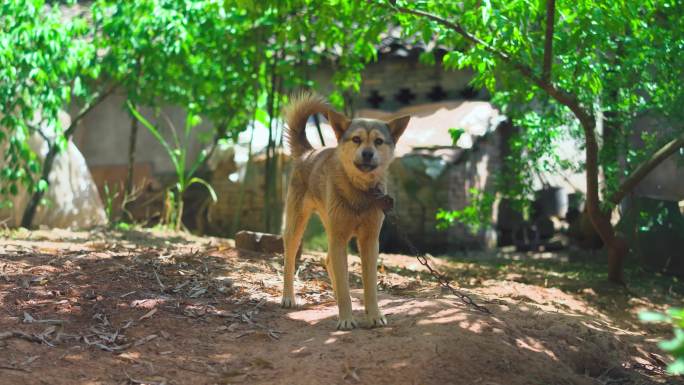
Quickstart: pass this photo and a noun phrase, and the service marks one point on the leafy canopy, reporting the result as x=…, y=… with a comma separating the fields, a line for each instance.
x=615, y=61
x=45, y=62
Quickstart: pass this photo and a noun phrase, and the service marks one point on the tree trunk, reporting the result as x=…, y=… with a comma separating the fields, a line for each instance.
x=617, y=251
x=37, y=196
x=270, y=148
x=132, y=143
x=276, y=165
x=317, y=120
x=267, y=174
x=646, y=167
x=34, y=202
x=616, y=246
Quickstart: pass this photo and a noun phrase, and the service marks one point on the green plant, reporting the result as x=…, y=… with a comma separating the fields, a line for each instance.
x=475, y=216
x=109, y=198
x=178, y=156
x=46, y=62
x=568, y=69
x=455, y=134
x=675, y=346
x=180, y=52
x=315, y=237
x=123, y=226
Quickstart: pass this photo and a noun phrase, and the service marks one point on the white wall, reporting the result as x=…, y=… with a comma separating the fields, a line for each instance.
x=103, y=135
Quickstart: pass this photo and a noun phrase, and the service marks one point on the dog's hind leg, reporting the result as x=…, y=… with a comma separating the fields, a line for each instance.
x=368, y=250
x=296, y=218
x=337, y=265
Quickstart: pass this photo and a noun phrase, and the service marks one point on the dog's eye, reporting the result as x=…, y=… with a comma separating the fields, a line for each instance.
x=356, y=139
x=379, y=142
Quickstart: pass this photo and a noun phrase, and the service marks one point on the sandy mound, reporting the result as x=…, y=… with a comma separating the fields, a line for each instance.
x=101, y=310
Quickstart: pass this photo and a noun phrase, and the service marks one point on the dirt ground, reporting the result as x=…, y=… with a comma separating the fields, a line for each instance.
x=149, y=308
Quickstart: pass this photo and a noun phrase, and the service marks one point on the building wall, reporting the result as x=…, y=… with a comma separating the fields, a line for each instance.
x=390, y=74
x=665, y=182
x=418, y=196
x=241, y=204
x=103, y=135
x=103, y=140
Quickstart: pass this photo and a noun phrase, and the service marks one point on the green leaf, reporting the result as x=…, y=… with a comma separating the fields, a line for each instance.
x=456, y=134
x=649, y=316
x=486, y=11
x=206, y=184
x=42, y=185
x=78, y=87
x=677, y=367
x=427, y=58
x=155, y=132
x=675, y=344
x=193, y=120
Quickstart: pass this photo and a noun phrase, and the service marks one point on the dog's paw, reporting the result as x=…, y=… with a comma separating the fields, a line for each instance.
x=288, y=302
x=346, y=324
x=376, y=321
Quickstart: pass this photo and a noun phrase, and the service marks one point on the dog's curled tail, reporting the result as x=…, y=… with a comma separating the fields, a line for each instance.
x=297, y=113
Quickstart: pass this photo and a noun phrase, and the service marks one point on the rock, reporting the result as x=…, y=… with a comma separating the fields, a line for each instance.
x=259, y=242
x=74, y=201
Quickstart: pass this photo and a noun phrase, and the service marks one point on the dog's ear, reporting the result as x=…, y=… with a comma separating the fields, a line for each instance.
x=339, y=123
x=397, y=126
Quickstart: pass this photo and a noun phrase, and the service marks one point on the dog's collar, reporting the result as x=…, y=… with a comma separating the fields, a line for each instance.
x=381, y=200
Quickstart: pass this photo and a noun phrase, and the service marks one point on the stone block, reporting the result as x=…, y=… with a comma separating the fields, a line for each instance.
x=259, y=242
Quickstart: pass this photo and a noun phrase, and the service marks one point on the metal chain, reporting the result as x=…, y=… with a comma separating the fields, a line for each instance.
x=441, y=278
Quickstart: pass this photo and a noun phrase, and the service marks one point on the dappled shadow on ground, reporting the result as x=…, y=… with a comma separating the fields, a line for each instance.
x=134, y=237
x=118, y=312
x=577, y=273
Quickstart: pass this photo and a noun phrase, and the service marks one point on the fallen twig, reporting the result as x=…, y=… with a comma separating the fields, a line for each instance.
x=28, y=319
x=145, y=340
x=150, y=381
x=114, y=348
x=21, y=335
x=161, y=285
x=14, y=368
x=148, y=314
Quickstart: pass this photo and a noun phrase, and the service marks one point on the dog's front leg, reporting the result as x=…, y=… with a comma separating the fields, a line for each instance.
x=337, y=258
x=295, y=223
x=369, y=249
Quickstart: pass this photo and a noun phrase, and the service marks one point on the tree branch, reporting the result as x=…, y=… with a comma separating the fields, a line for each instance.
x=646, y=167
x=318, y=129
x=220, y=133
x=32, y=205
x=548, y=40
x=36, y=128
x=86, y=109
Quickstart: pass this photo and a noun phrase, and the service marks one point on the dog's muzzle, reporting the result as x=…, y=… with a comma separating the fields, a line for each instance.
x=366, y=167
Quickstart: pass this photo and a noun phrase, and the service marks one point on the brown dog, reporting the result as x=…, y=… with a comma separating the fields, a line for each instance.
x=335, y=183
